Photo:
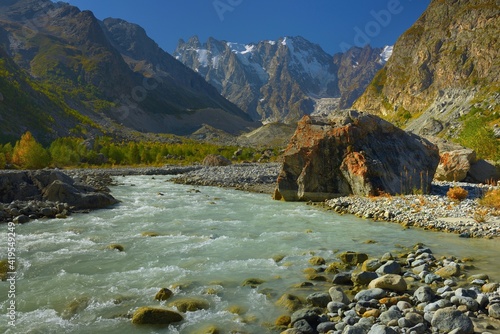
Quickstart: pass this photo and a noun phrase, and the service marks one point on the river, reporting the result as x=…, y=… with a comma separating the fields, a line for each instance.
x=210, y=240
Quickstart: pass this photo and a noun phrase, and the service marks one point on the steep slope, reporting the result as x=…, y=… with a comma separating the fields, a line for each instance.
x=356, y=69
x=444, y=66
x=24, y=105
x=279, y=80
x=68, y=52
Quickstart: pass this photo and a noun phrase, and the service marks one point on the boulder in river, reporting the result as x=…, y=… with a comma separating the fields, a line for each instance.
x=155, y=316
x=352, y=152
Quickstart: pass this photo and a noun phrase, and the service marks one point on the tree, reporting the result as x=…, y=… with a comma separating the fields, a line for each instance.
x=30, y=154
x=3, y=161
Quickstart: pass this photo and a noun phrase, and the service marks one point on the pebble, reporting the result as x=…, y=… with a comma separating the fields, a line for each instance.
x=442, y=306
x=430, y=212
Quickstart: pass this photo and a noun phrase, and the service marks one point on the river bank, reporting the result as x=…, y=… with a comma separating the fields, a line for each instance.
x=435, y=211
x=432, y=212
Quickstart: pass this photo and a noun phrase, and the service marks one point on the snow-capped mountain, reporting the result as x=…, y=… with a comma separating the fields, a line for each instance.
x=272, y=80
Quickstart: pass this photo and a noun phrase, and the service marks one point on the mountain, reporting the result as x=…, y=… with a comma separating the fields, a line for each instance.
x=110, y=74
x=25, y=105
x=444, y=73
x=282, y=80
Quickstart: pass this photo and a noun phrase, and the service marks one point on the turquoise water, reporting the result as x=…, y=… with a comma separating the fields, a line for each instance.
x=211, y=240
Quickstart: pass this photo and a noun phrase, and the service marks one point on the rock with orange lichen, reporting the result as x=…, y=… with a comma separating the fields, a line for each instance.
x=352, y=152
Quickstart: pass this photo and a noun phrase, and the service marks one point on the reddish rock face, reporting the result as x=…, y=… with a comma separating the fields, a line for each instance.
x=354, y=153
x=454, y=165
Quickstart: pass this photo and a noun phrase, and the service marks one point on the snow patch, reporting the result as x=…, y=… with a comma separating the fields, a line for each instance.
x=271, y=42
x=203, y=57
x=284, y=41
x=386, y=54
x=306, y=62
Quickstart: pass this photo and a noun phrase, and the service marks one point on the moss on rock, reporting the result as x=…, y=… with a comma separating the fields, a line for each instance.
x=189, y=304
x=4, y=269
x=117, y=247
x=163, y=294
x=252, y=282
x=155, y=316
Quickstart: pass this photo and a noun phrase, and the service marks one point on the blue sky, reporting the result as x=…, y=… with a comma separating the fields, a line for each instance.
x=334, y=25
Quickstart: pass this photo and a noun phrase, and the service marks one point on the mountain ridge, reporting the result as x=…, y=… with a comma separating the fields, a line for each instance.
x=280, y=80
x=443, y=67
x=72, y=55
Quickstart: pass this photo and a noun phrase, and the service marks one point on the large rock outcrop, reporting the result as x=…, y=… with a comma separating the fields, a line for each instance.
x=352, y=152
x=51, y=185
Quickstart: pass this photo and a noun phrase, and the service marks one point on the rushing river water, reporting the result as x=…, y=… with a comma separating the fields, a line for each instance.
x=211, y=240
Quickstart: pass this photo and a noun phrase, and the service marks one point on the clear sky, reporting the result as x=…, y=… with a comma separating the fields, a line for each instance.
x=333, y=24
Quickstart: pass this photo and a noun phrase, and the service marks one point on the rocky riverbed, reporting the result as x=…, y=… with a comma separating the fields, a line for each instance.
x=413, y=292
x=248, y=177
x=434, y=212
x=409, y=292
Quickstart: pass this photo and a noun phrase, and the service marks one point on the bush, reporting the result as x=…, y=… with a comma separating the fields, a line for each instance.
x=3, y=161
x=457, y=193
x=30, y=154
x=491, y=199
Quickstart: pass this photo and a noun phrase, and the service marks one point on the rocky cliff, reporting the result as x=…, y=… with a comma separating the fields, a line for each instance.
x=444, y=66
x=282, y=80
x=351, y=152
x=108, y=75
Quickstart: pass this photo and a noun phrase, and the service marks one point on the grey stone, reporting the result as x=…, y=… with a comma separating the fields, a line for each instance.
x=390, y=267
x=439, y=304
x=449, y=319
x=338, y=295
x=390, y=315
x=471, y=304
x=443, y=289
x=482, y=300
x=450, y=282
x=370, y=294
x=325, y=327
x=419, y=329
x=334, y=307
x=381, y=329
x=431, y=278
x=311, y=315
x=494, y=311
x=319, y=299
x=461, y=292
x=418, y=269
x=371, y=265
x=424, y=294
x=342, y=279
x=304, y=327
x=354, y=329
x=363, y=277
x=402, y=305
x=21, y=219
x=414, y=318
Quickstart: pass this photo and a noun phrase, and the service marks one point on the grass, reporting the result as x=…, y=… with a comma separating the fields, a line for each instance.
x=491, y=199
